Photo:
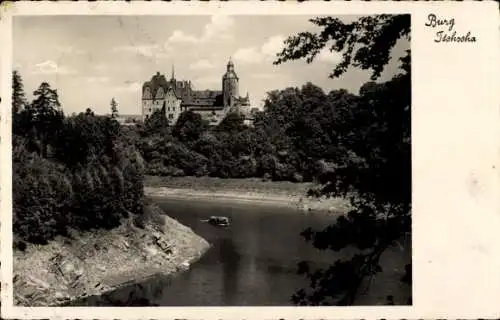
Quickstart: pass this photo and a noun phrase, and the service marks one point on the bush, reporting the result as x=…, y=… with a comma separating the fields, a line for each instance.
x=42, y=198
x=152, y=215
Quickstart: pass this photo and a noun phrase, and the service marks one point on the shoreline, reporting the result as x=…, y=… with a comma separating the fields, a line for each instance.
x=95, y=263
x=300, y=203
x=144, y=276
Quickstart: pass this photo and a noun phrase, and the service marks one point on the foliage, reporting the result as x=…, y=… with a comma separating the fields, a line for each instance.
x=85, y=139
x=233, y=122
x=152, y=215
x=41, y=196
x=297, y=128
x=89, y=112
x=189, y=127
x=43, y=117
x=366, y=42
x=114, y=108
x=372, y=158
x=89, y=179
x=157, y=123
x=18, y=96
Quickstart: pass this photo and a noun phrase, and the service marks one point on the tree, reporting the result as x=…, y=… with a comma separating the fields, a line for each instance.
x=22, y=115
x=189, y=127
x=47, y=115
x=89, y=112
x=374, y=169
x=114, y=109
x=85, y=139
x=233, y=122
x=157, y=123
x=365, y=43
x=18, y=96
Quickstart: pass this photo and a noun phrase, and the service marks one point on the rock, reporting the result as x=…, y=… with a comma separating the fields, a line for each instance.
x=184, y=266
x=60, y=296
x=101, y=268
x=67, y=267
x=151, y=251
x=164, y=245
x=39, y=283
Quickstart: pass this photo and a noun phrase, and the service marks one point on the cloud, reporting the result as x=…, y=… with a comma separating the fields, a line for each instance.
x=101, y=67
x=273, y=45
x=208, y=82
x=328, y=56
x=218, y=28
x=248, y=55
x=266, y=52
x=202, y=64
x=51, y=67
x=97, y=79
x=69, y=50
x=179, y=36
x=264, y=75
x=145, y=50
x=130, y=86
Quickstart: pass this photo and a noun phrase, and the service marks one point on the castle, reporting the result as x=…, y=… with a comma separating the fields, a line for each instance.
x=179, y=96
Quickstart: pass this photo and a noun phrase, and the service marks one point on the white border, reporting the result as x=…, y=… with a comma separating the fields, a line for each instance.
x=455, y=124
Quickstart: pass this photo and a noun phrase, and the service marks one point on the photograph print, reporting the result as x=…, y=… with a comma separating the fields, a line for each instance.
x=226, y=160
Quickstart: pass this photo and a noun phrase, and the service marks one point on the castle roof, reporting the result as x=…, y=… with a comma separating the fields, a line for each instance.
x=156, y=82
x=230, y=74
x=205, y=94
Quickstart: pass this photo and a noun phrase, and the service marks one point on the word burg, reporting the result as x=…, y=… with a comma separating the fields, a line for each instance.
x=447, y=35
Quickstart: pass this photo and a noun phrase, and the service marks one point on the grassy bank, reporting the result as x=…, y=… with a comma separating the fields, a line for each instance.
x=211, y=184
x=256, y=191
x=101, y=261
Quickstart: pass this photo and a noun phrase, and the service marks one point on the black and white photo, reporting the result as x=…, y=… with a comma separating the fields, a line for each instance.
x=233, y=158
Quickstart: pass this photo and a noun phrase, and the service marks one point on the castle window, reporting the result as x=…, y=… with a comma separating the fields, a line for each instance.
x=168, y=108
x=174, y=108
x=170, y=116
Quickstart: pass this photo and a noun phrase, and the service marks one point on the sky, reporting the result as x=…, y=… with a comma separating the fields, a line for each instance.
x=92, y=59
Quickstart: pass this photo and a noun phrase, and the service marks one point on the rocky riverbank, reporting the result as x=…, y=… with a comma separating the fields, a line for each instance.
x=98, y=262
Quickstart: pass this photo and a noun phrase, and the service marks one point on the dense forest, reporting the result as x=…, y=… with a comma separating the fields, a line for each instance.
x=86, y=171
x=69, y=172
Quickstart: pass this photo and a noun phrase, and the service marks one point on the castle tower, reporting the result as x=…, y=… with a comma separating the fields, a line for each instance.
x=230, y=86
x=173, y=83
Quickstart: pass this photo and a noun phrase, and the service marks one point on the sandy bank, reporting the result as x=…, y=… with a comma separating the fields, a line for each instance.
x=102, y=261
x=296, y=201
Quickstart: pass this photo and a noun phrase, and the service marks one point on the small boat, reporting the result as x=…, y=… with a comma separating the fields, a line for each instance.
x=219, y=221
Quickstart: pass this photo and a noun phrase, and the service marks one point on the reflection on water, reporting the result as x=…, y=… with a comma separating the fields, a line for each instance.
x=253, y=262
x=230, y=259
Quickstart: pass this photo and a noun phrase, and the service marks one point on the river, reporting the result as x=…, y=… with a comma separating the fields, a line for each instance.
x=251, y=263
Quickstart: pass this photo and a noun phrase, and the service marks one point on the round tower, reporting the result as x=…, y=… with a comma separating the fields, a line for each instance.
x=230, y=85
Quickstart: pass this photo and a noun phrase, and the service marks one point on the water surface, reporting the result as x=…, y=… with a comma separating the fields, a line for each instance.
x=251, y=263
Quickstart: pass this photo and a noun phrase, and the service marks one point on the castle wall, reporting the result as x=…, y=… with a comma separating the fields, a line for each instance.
x=147, y=108
x=172, y=107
